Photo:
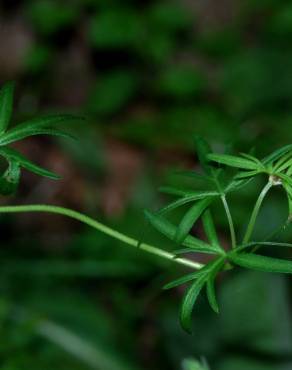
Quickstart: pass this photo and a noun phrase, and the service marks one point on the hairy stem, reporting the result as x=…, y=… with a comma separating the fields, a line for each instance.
x=255, y=212
x=101, y=227
x=230, y=221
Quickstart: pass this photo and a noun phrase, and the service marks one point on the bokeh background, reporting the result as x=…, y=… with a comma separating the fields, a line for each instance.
x=149, y=75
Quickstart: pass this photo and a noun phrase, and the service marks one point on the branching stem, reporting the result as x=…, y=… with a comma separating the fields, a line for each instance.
x=101, y=227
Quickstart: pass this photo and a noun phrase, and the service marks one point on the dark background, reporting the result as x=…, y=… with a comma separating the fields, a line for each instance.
x=149, y=75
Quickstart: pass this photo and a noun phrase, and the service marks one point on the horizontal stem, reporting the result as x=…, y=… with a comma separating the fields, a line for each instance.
x=101, y=227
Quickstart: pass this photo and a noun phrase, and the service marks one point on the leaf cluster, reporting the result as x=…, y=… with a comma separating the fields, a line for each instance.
x=9, y=180
x=278, y=169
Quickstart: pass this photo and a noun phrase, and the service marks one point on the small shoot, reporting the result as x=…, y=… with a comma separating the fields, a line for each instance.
x=38, y=126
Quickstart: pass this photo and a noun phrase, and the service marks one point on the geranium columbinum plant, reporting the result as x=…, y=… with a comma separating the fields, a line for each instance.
x=277, y=167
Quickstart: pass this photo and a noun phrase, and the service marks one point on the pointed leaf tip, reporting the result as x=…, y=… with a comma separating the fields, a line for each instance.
x=13, y=155
x=190, y=218
x=188, y=303
x=6, y=105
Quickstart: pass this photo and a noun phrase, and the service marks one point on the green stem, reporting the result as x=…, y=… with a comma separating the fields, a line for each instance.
x=103, y=228
x=230, y=221
x=255, y=212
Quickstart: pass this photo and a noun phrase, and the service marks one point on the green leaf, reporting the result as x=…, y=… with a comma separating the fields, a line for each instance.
x=12, y=155
x=253, y=159
x=190, y=218
x=277, y=154
x=233, y=161
x=183, y=280
x=14, y=135
x=189, y=301
x=187, y=199
x=281, y=161
x=245, y=174
x=203, y=150
x=261, y=263
x=265, y=244
x=286, y=178
x=10, y=179
x=169, y=230
x=211, y=295
x=6, y=105
x=45, y=121
x=209, y=227
x=285, y=165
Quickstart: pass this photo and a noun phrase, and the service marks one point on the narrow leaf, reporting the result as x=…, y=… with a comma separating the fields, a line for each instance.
x=277, y=154
x=187, y=199
x=245, y=174
x=183, y=280
x=189, y=301
x=6, y=105
x=45, y=121
x=12, y=136
x=169, y=230
x=190, y=218
x=12, y=155
x=281, y=161
x=209, y=228
x=267, y=244
x=253, y=159
x=285, y=165
x=211, y=294
x=261, y=263
x=233, y=161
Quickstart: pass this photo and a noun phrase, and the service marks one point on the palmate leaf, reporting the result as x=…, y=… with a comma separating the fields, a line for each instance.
x=261, y=263
x=13, y=156
x=189, y=219
x=169, y=230
x=187, y=199
x=6, y=105
x=208, y=272
x=234, y=161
